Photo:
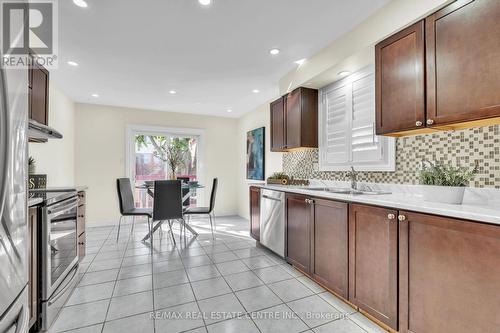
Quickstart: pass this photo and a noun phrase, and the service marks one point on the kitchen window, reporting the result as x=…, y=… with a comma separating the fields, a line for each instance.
x=347, y=127
x=146, y=158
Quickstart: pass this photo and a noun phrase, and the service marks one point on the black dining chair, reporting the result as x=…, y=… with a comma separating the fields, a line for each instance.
x=127, y=205
x=185, y=180
x=167, y=204
x=206, y=210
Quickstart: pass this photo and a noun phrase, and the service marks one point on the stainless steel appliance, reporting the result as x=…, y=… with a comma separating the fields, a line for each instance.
x=14, y=309
x=59, y=250
x=272, y=221
x=39, y=131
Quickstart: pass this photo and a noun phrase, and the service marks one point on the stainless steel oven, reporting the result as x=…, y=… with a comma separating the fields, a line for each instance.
x=59, y=252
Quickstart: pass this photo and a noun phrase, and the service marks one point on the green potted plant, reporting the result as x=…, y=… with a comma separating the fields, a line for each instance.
x=31, y=165
x=278, y=178
x=445, y=183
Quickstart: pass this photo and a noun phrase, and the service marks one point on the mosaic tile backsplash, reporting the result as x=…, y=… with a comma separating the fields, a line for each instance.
x=463, y=147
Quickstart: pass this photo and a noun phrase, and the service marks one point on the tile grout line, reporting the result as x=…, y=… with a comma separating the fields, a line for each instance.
x=114, y=286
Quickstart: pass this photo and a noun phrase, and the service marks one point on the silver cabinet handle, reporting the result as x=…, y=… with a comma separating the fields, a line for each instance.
x=391, y=216
x=430, y=121
x=418, y=123
x=401, y=218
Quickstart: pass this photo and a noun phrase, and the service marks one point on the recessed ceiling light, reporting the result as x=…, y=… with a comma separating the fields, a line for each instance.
x=344, y=73
x=173, y=92
x=95, y=95
x=256, y=91
x=80, y=3
x=300, y=62
x=274, y=51
x=229, y=110
x=205, y=2
x=73, y=63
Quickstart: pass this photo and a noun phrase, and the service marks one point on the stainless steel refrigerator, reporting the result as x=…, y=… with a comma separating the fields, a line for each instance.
x=14, y=311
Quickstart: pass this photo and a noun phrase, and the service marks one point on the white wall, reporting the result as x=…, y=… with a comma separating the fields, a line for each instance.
x=56, y=158
x=257, y=118
x=100, y=156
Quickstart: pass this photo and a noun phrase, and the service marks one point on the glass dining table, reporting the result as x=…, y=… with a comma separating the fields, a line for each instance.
x=191, y=191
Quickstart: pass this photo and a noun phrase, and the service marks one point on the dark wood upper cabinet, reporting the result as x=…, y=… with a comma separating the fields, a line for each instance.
x=39, y=94
x=400, y=81
x=449, y=275
x=463, y=62
x=301, y=109
x=441, y=73
x=294, y=120
x=278, y=125
x=373, y=262
x=255, y=212
x=330, y=245
x=298, y=231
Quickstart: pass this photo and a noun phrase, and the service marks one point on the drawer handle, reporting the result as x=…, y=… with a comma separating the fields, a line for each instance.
x=401, y=218
x=418, y=123
x=391, y=216
x=430, y=121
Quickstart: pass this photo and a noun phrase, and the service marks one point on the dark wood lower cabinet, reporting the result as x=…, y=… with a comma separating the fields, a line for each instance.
x=255, y=212
x=330, y=245
x=415, y=273
x=449, y=275
x=298, y=235
x=373, y=262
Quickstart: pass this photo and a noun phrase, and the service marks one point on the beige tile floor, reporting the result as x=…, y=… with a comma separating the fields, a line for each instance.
x=226, y=284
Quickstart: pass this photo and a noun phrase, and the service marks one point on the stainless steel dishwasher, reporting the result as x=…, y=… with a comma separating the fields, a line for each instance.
x=272, y=221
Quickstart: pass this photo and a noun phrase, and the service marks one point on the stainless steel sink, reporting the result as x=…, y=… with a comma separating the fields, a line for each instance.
x=344, y=190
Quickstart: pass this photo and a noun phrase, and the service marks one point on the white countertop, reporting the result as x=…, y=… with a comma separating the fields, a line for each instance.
x=481, y=212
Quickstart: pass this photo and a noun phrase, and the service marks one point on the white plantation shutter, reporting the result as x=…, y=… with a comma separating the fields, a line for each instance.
x=366, y=146
x=337, y=122
x=347, y=126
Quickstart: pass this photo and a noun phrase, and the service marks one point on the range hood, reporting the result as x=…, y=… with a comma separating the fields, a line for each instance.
x=41, y=132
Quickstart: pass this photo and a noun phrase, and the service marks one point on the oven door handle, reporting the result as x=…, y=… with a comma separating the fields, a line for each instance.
x=61, y=208
x=66, y=287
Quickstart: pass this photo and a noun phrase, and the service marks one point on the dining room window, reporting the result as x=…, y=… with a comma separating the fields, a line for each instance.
x=159, y=154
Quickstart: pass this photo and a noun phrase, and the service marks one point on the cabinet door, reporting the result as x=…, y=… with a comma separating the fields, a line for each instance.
x=293, y=119
x=330, y=250
x=373, y=261
x=298, y=217
x=463, y=52
x=33, y=266
x=39, y=95
x=400, y=81
x=449, y=275
x=255, y=212
x=278, y=125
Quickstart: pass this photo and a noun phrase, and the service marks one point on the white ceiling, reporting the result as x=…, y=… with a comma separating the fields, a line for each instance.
x=132, y=53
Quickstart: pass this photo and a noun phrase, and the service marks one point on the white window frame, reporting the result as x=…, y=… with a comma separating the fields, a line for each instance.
x=132, y=130
x=388, y=162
